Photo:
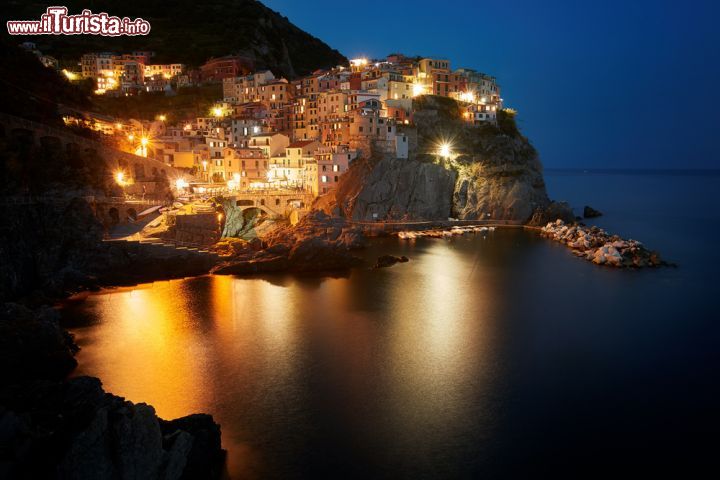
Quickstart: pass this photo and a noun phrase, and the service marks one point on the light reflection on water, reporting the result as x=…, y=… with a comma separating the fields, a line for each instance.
x=387, y=359
x=500, y=357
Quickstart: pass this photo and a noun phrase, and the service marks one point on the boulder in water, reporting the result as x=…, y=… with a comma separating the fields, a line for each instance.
x=385, y=261
x=589, y=212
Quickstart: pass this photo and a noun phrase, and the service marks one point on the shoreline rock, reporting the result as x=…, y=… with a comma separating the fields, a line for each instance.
x=597, y=246
x=317, y=243
x=33, y=345
x=74, y=429
x=589, y=212
x=51, y=427
x=385, y=261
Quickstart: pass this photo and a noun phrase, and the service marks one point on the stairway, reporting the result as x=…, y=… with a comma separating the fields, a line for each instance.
x=162, y=249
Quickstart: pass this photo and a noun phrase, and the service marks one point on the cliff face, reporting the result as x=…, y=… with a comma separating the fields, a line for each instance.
x=502, y=179
x=493, y=172
x=390, y=188
x=46, y=246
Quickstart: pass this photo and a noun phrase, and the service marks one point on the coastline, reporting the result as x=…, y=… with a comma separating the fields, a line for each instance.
x=319, y=244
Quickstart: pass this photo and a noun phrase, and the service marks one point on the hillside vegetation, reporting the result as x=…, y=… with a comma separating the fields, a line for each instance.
x=190, y=32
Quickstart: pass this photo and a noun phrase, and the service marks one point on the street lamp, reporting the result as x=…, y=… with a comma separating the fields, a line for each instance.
x=445, y=150
x=142, y=151
x=205, y=174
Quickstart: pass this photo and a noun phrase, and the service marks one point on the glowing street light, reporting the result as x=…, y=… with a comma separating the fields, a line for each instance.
x=181, y=184
x=418, y=89
x=162, y=118
x=217, y=112
x=131, y=137
x=120, y=178
x=445, y=150
x=359, y=62
x=142, y=149
x=70, y=75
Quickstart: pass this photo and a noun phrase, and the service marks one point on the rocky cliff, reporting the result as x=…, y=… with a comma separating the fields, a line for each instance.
x=45, y=246
x=317, y=243
x=388, y=188
x=492, y=172
x=50, y=428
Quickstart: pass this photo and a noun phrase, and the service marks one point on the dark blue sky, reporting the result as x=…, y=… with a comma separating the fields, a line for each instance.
x=598, y=83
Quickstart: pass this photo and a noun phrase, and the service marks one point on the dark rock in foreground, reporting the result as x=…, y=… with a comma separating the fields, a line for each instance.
x=589, y=212
x=550, y=213
x=385, y=261
x=74, y=430
x=32, y=344
x=50, y=428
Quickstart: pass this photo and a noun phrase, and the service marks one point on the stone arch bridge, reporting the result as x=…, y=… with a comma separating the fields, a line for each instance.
x=285, y=203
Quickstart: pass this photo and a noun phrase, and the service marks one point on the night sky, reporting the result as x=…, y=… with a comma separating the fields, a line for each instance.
x=598, y=84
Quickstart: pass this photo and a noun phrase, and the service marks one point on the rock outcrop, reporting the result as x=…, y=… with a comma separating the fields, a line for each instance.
x=74, y=430
x=393, y=189
x=50, y=428
x=493, y=172
x=241, y=223
x=317, y=243
x=589, y=212
x=47, y=246
x=32, y=344
x=551, y=212
x=385, y=261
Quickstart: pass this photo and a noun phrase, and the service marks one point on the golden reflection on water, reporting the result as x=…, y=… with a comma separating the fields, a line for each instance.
x=399, y=354
x=439, y=339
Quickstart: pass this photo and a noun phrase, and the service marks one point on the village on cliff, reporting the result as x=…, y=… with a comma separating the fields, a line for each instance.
x=271, y=133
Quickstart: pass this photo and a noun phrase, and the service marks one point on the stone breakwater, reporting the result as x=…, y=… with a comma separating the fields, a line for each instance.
x=596, y=245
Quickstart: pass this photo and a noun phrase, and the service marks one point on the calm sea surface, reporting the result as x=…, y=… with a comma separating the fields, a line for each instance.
x=498, y=356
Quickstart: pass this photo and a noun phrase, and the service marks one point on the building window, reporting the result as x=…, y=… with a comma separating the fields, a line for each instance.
x=324, y=178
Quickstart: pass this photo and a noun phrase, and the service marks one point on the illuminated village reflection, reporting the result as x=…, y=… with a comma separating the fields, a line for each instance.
x=400, y=357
